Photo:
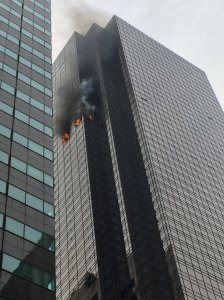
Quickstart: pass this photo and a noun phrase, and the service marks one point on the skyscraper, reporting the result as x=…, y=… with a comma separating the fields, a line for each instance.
x=139, y=183
x=26, y=155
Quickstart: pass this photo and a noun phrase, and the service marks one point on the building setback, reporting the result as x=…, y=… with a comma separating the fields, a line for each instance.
x=26, y=154
x=138, y=184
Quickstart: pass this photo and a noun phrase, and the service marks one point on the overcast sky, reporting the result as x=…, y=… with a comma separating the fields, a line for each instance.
x=193, y=29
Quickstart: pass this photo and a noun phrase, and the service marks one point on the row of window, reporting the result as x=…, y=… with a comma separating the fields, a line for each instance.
x=23, y=117
x=32, y=122
x=36, y=14
x=23, y=45
x=7, y=88
x=28, y=233
x=8, y=52
x=26, y=271
x=25, y=97
x=7, y=69
x=27, y=199
x=35, y=103
x=25, y=32
x=22, y=140
x=36, y=38
x=41, y=6
x=9, y=23
x=35, y=84
x=37, y=26
x=35, y=68
x=26, y=169
x=26, y=79
x=32, y=145
x=25, y=19
x=12, y=11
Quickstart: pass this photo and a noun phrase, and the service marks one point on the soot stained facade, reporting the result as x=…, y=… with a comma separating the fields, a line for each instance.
x=138, y=191
x=26, y=155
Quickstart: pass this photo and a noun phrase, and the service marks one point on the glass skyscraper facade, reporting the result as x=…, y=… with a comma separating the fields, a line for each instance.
x=138, y=190
x=26, y=155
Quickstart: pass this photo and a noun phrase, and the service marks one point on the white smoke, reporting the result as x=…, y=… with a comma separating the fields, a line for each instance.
x=86, y=90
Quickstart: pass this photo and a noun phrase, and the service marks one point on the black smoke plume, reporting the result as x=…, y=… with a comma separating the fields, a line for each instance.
x=67, y=106
x=85, y=101
x=72, y=104
x=74, y=15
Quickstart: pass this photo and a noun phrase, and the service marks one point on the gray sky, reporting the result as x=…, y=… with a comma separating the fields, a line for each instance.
x=193, y=29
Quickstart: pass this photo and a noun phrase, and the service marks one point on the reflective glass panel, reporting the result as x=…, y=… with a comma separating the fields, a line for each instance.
x=2, y=186
x=48, y=242
x=21, y=116
x=4, y=157
x=9, y=70
x=33, y=235
x=14, y=226
x=49, y=282
x=1, y=220
x=18, y=164
x=5, y=131
x=6, y=108
x=20, y=139
x=36, y=124
x=34, y=202
x=8, y=88
x=35, y=173
x=22, y=96
x=48, y=131
x=36, y=147
x=37, y=104
x=48, y=180
x=48, y=154
x=16, y=193
x=49, y=209
x=9, y=263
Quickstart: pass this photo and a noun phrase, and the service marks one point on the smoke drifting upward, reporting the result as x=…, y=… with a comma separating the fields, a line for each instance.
x=72, y=105
x=74, y=16
x=86, y=90
x=67, y=107
x=81, y=16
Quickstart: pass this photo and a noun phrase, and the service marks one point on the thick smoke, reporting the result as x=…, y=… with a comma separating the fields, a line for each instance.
x=81, y=16
x=72, y=105
x=73, y=16
x=67, y=107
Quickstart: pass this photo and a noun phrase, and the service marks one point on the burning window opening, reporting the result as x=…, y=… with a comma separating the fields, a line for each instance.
x=90, y=118
x=65, y=138
x=77, y=121
x=77, y=106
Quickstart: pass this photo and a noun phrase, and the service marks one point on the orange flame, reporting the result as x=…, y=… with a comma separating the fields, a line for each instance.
x=90, y=118
x=65, y=138
x=77, y=121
